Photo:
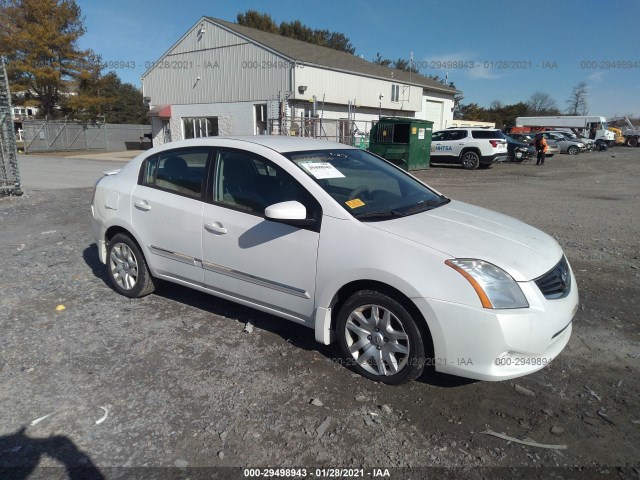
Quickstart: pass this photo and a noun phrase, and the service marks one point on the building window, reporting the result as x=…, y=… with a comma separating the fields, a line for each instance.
x=200, y=127
x=395, y=93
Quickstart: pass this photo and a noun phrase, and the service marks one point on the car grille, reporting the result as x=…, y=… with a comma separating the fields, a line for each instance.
x=556, y=283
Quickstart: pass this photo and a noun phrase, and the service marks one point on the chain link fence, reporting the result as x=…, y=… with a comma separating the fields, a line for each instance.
x=9, y=174
x=350, y=132
x=43, y=136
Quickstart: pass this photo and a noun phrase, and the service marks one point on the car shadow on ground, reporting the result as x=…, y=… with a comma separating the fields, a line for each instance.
x=21, y=454
x=91, y=258
x=297, y=335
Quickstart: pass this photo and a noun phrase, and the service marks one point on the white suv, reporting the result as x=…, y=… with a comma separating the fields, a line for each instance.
x=469, y=147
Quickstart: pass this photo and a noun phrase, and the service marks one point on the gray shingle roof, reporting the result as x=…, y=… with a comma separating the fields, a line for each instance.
x=311, y=54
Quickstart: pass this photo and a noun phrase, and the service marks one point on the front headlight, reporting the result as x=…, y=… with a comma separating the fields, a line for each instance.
x=495, y=287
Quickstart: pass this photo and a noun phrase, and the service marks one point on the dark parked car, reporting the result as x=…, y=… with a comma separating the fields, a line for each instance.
x=529, y=139
x=518, y=151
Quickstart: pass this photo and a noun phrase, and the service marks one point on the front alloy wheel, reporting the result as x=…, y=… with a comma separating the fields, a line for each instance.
x=380, y=339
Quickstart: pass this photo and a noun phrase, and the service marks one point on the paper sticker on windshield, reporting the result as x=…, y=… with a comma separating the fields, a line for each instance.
x=321, y=170
x=355, y=203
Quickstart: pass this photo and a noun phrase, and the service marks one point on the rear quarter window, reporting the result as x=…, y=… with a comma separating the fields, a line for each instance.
x=486, y=134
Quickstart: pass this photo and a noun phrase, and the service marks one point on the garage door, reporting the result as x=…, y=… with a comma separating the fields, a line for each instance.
x=433, y=112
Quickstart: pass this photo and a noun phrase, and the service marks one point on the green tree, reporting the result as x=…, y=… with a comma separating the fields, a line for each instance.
x=257, y=20
x=472, y=111
x=40, y=40
x=87, y=101
x=405, y=65
x=296, y=29
x=385, y=62
x=505, y=115
x=126, y=105
x=106, y=98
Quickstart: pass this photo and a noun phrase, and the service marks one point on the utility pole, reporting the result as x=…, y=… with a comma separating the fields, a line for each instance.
x=9, y=174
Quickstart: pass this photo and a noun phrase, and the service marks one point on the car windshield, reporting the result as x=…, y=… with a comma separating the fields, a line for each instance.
x=366, y=186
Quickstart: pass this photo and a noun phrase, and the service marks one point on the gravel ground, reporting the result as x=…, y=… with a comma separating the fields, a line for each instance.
x=185, y=386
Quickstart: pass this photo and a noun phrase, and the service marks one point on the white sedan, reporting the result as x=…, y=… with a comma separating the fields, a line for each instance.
x=345, y=243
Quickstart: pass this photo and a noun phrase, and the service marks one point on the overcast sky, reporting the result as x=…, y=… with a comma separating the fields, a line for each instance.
x=505, y=49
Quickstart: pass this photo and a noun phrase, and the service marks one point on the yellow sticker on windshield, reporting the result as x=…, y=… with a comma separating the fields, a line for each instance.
x=355, y=203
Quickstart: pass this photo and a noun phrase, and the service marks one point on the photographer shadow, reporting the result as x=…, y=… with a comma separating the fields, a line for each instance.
x=21, y=454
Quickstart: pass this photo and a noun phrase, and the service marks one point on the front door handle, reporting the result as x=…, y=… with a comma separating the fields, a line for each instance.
x=215, y=227
x=142, y=205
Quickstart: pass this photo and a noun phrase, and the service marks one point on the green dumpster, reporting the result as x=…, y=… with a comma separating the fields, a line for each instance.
x=405, y=142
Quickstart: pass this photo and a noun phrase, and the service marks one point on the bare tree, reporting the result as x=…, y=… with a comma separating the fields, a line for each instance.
x=577, y=102
x=540, y=102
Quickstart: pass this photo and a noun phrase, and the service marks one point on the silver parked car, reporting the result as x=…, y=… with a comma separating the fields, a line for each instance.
x=566, y=145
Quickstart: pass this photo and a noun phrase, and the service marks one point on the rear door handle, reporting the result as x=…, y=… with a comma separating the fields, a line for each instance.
x=142, y=205
x=215, y=227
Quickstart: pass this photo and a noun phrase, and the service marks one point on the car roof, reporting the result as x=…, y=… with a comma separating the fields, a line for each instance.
x=486, y=129
x=279, y=143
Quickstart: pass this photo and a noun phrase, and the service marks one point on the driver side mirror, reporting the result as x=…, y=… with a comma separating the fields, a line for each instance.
x=291, y=212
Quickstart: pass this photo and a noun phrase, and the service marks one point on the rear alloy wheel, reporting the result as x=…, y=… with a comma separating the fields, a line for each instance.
x=573, y=150
x=632, y=141
x=470, y=160
x=380, y=339
x=127, y=268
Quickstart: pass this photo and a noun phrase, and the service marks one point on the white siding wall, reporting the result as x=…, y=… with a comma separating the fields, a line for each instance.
x=223, y=62
x=437, y=108
x=339, y=88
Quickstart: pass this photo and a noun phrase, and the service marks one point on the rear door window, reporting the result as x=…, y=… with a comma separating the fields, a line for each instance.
x=457, y=134
x=181, y=171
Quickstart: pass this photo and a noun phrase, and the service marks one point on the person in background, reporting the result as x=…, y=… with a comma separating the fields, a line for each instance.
x=541, y=148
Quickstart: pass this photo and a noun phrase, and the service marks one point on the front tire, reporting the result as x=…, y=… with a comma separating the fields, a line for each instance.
x=573, y=150
x=127, y=268
x=380, y=339
x=470, y=160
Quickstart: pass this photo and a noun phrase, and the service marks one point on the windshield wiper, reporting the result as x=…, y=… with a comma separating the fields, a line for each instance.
x=379, y=214
x=424, y=206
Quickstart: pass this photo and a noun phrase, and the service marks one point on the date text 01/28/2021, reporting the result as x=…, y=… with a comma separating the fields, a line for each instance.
x=315, y=473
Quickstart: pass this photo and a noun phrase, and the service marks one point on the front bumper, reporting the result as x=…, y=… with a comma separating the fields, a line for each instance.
x=500, y=344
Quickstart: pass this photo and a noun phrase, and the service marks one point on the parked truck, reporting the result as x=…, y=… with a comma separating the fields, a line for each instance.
x=593, y=127
x=625, y=131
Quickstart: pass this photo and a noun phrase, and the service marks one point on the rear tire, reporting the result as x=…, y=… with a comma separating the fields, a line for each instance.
x=470, y=160
x=127, y=268
x=632, y=141
x=379, y=338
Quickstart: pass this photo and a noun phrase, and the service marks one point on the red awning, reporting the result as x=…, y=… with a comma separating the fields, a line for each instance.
x=162, y=111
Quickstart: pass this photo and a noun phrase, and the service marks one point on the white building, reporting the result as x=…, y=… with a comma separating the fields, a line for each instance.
x=221, y=78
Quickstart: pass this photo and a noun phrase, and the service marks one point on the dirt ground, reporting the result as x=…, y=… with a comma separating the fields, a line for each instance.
x=184, y=386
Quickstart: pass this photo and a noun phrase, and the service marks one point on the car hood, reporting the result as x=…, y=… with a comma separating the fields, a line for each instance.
x=466, y=231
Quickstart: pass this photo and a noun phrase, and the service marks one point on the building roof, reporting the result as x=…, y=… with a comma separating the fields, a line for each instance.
x=311, y=54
